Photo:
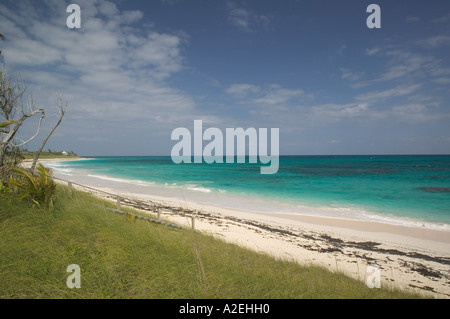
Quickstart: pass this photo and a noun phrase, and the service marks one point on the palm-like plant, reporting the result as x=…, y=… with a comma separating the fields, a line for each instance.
x=39, y=188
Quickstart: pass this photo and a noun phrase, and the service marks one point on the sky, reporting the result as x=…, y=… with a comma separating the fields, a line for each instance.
x=136, y=70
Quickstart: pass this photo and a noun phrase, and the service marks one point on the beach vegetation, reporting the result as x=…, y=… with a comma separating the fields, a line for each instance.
x=38, y=188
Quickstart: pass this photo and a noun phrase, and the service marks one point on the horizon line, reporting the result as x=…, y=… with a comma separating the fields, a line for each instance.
x=286, y=155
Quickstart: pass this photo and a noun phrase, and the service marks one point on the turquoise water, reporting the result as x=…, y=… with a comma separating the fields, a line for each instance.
x=416, y=187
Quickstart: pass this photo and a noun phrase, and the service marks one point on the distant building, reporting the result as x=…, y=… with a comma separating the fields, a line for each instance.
x=64, y=153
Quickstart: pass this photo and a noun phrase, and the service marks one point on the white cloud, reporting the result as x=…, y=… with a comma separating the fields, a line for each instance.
x=442, y=19
x=372, y=51
x=277, y=95
x=442, y=80
x=342, y=48
x=385, y=94
x=242, y=90
x=412, y=19
x=246, y=19
x=31, y=52
x=347, y=74
x=338, y=111
x=418, y=113
x=113, y=71
x=435, y=42
x=404, y=63
x=399, y=64
x=437, y=70
x=269, y=95
x=170, y=2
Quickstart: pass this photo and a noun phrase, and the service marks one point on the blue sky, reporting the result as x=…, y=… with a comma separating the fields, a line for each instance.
x=136, y=70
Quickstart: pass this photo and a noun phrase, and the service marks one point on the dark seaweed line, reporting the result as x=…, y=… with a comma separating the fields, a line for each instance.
x=338, y=243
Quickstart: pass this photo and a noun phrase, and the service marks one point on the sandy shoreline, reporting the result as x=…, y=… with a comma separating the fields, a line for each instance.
x=410, y=258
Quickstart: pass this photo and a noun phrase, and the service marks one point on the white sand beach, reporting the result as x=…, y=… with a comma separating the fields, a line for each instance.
x=410, y=258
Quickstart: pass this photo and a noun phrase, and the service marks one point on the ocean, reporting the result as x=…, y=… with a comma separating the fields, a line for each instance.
x=406, y=190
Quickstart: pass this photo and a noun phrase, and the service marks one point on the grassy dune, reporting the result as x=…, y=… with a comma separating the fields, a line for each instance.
x=122, y=258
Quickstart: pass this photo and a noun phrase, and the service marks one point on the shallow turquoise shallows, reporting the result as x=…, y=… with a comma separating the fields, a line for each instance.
x=411, y=187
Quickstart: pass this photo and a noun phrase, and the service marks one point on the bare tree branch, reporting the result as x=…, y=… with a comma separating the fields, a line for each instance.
x=62, y=111
x=13, y=114
x=31, y=138
x=7, y=139
x=3, y=38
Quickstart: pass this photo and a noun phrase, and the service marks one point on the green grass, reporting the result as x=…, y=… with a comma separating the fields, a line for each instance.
x=120, y=258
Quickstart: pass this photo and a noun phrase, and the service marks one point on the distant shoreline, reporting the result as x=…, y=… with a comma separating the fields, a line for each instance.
x=56, y=159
